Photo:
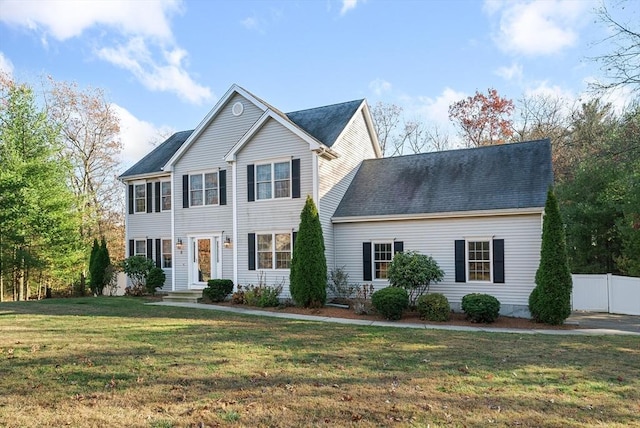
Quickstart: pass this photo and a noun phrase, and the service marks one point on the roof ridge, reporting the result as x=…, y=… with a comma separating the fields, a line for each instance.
x=325, y=106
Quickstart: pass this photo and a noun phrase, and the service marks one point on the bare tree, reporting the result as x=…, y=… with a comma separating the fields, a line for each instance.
x=90, y=129
x=621, y=65
x=438, y=139
x=386, y=118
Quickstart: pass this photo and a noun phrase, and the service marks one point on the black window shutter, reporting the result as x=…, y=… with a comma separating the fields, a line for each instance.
x=366, y=261
x=131, y=203
x=498, y=261
x=157, y=196
x=185, y=191
x=132, y=247
x=293, y=243
x=150, y=249
x=222, y=179
x=398, y=247
x=252, y=251
x=251, y=187
x=158, y=253
x=460, y=263
x=295, y=178
x=149, y=197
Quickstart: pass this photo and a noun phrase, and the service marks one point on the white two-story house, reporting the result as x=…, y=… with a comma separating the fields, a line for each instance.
x=224, y=201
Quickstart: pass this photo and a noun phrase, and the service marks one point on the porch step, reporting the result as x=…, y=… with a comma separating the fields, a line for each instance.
x=188, y=296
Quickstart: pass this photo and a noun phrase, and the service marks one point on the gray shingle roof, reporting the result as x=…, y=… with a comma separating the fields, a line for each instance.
x=497, y=177
x=158, y=157
x=325, y=123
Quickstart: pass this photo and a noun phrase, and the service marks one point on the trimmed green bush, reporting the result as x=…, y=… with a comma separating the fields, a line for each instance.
x=308, y=275
x=550, y=300
x=481, y=307
x=434, y=307
x=414, y=272
x=390, y=302
x=155, y=279
x=218, y=289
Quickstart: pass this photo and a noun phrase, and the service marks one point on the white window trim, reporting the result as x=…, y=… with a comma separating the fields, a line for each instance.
x=373, y=258
x=135, y=247
x=272, y=162
x=167, y=182
x=162, y=253
x=273, y=249
x=467, y=261
x=202, y=173
x=135, y=199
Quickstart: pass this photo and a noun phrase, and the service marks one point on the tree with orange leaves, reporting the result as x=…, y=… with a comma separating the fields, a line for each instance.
x=483, y=120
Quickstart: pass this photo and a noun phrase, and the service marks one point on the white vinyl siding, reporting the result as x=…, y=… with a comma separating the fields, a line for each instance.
x=335, y=176
x=436, y=237
x=271, y=144
x=207, y=153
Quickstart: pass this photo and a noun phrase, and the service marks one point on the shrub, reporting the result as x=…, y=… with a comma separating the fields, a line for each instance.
x=154, y=280
x=481, y=307
x=414, y=272
x=550, y=300
x=390, y=302
x=308, y=275
x=434, y=307
x=339, y=284
x=362, y=302
x=137, y=268
x=218, y=289
x=263, y=296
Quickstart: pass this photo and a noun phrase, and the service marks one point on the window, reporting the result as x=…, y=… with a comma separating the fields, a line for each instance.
x=382, y=256
x=480, y=260
x=166, y=253
x=273, y=180
x=140, y=248
x=140, y=198
x=165, y=192
x=274, y=250
x=203, y=189
x=479, y=266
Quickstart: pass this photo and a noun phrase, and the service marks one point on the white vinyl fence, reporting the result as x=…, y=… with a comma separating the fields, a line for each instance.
x=606, y=293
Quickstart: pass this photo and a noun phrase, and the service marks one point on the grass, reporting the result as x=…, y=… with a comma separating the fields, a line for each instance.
x=117, y=362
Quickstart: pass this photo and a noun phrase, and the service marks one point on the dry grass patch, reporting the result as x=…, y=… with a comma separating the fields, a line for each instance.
x=116, y=362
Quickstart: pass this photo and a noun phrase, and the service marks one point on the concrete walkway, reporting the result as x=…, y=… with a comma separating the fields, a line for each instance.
x=589, y=328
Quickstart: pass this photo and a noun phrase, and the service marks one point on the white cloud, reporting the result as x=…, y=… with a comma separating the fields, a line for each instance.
x=138, y=136
x=169, y=76
x=437, y=109
x=144, y=24
x=6, y=66
x=379, y=86
x=537, y=27
x=514, y=72
x=250, y=23
x=64, y=19
x=348, y=5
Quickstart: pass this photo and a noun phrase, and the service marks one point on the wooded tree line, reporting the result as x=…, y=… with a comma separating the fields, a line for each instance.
x=58, y=186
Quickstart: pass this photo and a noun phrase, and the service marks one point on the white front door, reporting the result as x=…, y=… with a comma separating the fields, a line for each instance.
x=205, y=261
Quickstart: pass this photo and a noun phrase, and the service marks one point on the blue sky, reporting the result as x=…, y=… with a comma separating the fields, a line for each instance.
x=165, y=63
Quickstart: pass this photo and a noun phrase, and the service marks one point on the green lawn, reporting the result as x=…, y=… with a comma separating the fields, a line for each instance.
x=117, y=362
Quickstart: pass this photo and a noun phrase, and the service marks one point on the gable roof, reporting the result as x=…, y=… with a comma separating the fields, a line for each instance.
x=154, y=161
x=509, y=176
x=325, y=123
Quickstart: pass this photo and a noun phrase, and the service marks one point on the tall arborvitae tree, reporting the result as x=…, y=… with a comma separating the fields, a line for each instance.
x=550, y=300
x=308, y=277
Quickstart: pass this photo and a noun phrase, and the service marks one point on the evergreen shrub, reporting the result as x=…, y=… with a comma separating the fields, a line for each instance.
x=217, y=290
x=434, y=307
x=390, y=302
x=481, y=307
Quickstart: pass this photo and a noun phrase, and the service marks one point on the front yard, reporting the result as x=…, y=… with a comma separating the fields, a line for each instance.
x=116, y=362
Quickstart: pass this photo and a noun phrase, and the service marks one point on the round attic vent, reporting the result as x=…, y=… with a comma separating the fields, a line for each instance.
x=237, y=109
